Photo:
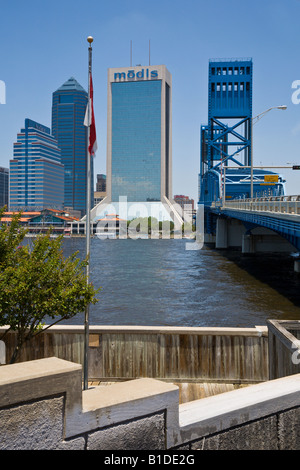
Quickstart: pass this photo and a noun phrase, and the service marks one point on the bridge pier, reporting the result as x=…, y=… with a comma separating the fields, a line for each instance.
x=297, y=265
x=232, y=233
x=263, y=240
x=209, y=238
x=248, y=243
x=229, y=233
x=221, y=233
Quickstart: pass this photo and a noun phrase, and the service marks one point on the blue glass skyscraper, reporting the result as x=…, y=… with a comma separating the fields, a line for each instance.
x=139, y=134
x=36, y=176
x=68, y=110
x=139, y=145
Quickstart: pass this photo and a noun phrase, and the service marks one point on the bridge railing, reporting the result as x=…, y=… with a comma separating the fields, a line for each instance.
x=279, y=204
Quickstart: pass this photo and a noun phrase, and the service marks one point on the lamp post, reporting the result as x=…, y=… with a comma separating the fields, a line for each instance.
x=253, y=121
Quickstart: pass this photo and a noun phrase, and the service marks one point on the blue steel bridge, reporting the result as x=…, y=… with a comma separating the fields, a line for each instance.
x=268, y=222
x=244, y=205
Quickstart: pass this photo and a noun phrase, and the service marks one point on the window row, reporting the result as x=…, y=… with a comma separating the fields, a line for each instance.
x=230, y=86
x=231, y=70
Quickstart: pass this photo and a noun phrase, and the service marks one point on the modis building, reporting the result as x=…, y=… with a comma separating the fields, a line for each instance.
x=139, y=133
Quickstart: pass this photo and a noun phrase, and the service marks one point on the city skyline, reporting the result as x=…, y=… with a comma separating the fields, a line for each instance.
x=184, y=37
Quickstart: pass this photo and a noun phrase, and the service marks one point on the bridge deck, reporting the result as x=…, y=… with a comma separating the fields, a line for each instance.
x=280, y=214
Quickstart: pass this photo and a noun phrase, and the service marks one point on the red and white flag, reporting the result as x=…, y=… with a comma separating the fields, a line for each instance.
x=89, y=121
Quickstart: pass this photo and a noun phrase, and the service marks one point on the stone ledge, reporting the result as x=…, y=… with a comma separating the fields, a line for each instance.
x=119, y=393
x=102, y=408
x=120, y=402
x=218, y=413
x=12, y=373
x=109, y=329
x=94, y=408
x=27, y=381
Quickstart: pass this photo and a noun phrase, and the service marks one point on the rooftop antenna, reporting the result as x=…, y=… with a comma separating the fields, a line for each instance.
x=149, y=52
x=131, y=53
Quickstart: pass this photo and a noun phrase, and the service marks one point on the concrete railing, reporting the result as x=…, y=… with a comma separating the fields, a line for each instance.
x=284, y=348
x=42, y=406
x=174, y=354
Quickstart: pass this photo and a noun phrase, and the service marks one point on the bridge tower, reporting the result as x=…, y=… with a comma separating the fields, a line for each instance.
x=226, y=139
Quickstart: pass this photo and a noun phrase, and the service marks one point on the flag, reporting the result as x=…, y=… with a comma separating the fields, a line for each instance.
x=89, y=121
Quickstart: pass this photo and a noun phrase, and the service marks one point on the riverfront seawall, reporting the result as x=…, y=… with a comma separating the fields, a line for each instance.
x=43, y=407
x=174, y=354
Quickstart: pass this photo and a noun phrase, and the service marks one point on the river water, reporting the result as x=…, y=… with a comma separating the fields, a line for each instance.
x=161, y=283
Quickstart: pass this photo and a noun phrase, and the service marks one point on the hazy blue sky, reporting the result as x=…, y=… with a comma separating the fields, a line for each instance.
x=43, y=43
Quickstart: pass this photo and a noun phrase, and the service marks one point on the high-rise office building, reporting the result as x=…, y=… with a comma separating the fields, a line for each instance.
x=139, y=133
x=36, y=176
x=101, y=183
x=4, y=172
x=68, y=110
x=36, y=172
x=139, y=139
x=184, y=201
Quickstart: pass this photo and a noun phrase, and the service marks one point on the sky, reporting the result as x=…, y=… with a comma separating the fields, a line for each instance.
x=43, y=44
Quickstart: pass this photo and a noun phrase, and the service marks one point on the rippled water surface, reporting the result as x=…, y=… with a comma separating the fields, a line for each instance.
x=159, y=282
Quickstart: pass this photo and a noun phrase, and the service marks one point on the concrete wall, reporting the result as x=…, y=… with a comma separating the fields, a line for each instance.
x=261, y=417
x=284, y=348
x=177, y=354
x=42, y=406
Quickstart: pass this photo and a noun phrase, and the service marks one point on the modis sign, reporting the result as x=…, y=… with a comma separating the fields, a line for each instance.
x=144, y=74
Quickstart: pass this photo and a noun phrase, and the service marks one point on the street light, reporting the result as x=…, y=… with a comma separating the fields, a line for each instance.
x=253, y=121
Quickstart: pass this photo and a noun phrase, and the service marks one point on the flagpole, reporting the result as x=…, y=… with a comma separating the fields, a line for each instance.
x=87, y=222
